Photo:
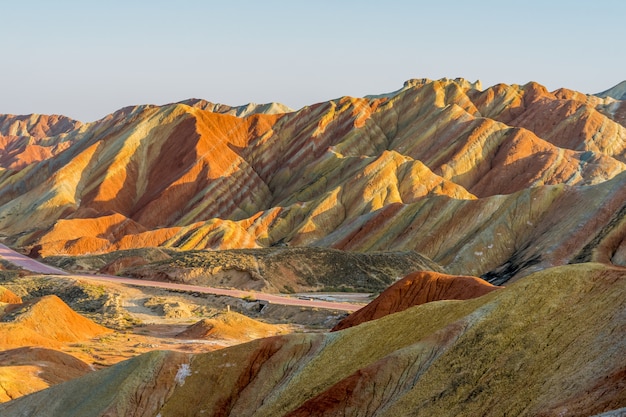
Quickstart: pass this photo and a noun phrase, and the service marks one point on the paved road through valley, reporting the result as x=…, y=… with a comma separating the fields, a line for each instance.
x=40, y=268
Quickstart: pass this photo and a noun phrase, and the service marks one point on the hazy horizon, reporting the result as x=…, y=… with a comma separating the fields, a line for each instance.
x=87, y=60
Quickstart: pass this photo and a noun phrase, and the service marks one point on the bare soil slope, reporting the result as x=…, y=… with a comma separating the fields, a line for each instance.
x=30, y=369
x=418, y=288
x=231, y=326
x=548, y=345
x=7, y=296
x=45, y=322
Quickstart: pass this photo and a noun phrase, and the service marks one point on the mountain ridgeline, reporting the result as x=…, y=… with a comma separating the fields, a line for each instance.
x=498, y=182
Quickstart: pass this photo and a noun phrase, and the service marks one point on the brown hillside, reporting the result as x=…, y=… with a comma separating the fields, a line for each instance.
x=415, y=289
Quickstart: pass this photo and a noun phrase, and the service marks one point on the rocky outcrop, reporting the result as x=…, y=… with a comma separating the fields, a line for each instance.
x=502, y=237
x=36, y=126
x=415, y=289
x=239, y=111
x=550, y=344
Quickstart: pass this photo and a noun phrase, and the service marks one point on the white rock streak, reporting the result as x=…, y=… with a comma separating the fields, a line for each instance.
x=183, y=372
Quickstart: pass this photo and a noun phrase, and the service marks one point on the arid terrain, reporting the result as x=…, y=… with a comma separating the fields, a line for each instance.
x=479, y=232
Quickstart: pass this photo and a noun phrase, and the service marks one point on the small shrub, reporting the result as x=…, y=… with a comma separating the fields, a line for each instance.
x=288, y=289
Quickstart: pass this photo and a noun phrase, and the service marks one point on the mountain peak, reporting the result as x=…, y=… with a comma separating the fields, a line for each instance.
x=418, y=82
x=239, y=111
x=618, y=92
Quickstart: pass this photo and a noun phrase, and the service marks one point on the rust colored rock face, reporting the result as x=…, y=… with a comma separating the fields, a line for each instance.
x=415, y=289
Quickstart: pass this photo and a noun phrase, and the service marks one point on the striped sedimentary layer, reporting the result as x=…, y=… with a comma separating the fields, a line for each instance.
x=493, y=181
x=32, y=138
x=548, y=345
x=418, y=288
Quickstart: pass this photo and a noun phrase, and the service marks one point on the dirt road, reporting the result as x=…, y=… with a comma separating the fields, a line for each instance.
x=28, y=263
x=40, y=268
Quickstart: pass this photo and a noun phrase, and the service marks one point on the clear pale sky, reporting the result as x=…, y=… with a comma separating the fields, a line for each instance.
x=86, y=59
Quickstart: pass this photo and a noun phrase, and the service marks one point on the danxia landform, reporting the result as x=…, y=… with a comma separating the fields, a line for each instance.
x=496, y=182
x=479, y=233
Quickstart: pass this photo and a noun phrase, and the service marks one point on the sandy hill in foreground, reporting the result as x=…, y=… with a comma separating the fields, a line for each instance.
x=230, y=325
x=550, y=344
x=483, y=181
x=45, y=322
x=29, y=369
x=31, y=336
